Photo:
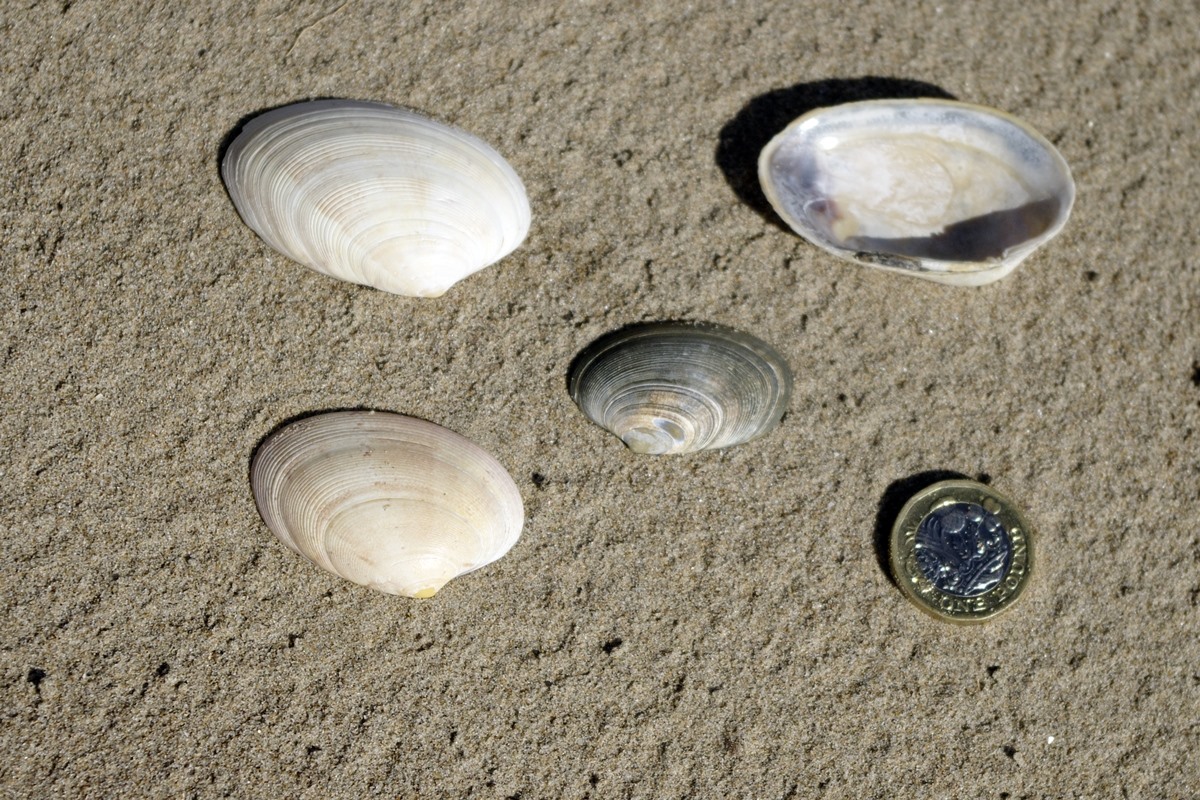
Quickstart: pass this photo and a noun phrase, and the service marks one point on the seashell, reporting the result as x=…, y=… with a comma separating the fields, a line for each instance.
x=679, y=387
x=948, y=191
x=387, y=501
x=376, y=195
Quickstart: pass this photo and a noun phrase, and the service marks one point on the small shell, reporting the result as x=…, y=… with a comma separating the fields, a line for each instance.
x=377, y=195
x=948, y=191
x=387, y=501
x=678, y=387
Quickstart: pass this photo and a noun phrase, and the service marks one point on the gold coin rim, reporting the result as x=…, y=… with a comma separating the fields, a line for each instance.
x=920, y=590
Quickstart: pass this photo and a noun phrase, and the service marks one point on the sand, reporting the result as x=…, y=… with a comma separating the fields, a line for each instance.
x=710, y=626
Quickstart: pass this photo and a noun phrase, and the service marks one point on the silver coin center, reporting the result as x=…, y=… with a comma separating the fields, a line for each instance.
x=963, y=549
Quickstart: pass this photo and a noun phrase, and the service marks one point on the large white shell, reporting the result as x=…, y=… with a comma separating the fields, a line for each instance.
x=679, y=387
x=387, y=501
x=376, y=195
x=948, y=191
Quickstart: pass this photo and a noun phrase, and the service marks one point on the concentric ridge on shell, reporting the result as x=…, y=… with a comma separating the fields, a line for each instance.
x=387, y=501
x=376, y=195
x=679, y=387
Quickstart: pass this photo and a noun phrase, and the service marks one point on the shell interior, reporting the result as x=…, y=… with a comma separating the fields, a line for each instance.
x=949, y=191
x=679, y=387
x=386, y=501
x=376, y=195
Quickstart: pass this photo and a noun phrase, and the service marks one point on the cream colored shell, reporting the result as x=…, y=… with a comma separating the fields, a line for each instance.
x=376, y=195
x=679, y=387
x=387, y=501
x=947, y=191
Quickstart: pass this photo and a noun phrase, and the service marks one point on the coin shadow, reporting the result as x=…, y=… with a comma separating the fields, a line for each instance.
x=894, y=497
x=742, y=138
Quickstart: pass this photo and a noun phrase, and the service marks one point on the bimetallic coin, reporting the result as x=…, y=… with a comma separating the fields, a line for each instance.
x=961, y=551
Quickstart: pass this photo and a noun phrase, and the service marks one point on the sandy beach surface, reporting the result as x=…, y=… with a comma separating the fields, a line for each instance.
x=718, y=625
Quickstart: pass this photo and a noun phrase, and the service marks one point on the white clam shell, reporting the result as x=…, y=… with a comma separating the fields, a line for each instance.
x=680, y=387
x=376, y=195
x=948, y=191
x=386, y=501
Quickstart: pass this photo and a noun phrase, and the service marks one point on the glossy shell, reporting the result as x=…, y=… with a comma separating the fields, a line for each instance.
x=387, y=501
x=948, y=191
x=376, y=195
x=678, y=387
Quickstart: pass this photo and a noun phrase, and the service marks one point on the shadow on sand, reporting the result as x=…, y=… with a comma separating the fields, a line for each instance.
x=743, y=137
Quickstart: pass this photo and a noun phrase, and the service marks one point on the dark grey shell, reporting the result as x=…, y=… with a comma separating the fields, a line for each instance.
x=679, y=387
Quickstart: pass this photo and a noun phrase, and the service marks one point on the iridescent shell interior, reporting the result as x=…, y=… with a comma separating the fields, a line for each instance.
x=948, y=191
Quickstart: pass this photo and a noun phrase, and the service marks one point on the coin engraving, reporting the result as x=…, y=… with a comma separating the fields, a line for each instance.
x=973, y=558
x=963, y=549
